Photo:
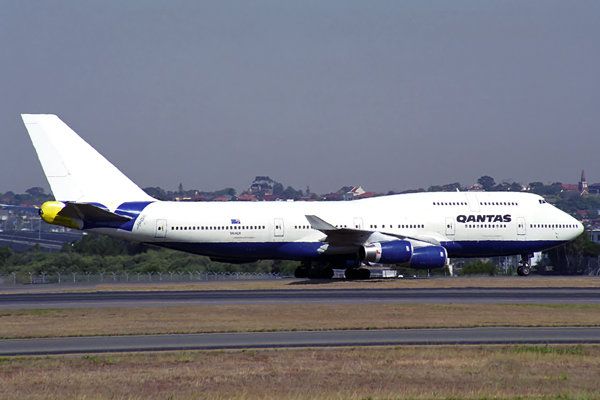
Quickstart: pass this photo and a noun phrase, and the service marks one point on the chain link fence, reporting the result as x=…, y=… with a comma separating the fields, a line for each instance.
x=132, y=277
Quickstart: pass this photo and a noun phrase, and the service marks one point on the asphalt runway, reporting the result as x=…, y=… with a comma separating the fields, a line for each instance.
x=267, y=340
x=392, y=337
x=576, y=296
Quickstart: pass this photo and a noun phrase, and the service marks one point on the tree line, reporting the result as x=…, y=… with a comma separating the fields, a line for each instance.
x=96, y=254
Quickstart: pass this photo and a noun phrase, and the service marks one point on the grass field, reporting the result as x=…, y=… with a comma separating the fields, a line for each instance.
x=240, y=318
x=410, y=283
x=445, y=372
x=363, y=373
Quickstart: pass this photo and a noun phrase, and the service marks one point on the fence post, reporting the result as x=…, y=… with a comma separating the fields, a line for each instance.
x=102, y=276
x=127, y=275
x=74, y=277
x=159, y=276
x=58, y=273
x=138, y=274
x=114, y=276
x=14, y=278
x=88, y=275
x=170, y=272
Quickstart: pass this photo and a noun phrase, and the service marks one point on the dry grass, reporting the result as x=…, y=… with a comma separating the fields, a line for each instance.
x=239, y=318
x=371, y=373
x=419, y=283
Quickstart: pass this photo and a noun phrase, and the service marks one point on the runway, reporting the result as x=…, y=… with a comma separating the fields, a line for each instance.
x=287, y=339
x=573, y=296
x=262, y=340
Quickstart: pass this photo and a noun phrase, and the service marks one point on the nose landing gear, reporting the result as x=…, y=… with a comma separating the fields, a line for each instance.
x=524, y=267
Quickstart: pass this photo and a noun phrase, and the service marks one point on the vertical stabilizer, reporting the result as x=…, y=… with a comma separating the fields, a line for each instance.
x=75, y=170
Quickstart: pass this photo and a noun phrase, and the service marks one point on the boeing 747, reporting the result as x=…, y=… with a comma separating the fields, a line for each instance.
x=420, y=230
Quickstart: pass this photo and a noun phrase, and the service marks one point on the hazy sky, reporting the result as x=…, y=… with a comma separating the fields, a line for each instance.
x=389, y=95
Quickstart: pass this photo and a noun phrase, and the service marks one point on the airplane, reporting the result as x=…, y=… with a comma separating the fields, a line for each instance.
x=417, y=230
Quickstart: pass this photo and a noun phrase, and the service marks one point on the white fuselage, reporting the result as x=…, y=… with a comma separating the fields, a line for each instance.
x=465, y=223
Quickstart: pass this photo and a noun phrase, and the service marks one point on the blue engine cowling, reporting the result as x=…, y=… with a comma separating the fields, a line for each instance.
x=394, y=252
x=429, y=257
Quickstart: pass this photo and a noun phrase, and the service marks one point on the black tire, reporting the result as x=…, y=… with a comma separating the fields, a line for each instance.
x=364, y=273
x=525, y=271
x=301, y=272
x=520, y=271
x=351, y=273
x=327, y=273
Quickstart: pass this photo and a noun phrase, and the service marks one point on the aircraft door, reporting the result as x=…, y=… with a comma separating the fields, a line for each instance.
x=521, y=229
x=449, y=226
x=278, y=228
x=473, y=202
x=358, y=223
x=161, y=228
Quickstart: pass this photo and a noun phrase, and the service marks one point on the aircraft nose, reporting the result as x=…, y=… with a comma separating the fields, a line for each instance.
x=581, y=228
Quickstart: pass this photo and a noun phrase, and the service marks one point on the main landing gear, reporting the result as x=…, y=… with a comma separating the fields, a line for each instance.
x=524, y=267
x=357, y=273
x=324, y=270
x=314, y=270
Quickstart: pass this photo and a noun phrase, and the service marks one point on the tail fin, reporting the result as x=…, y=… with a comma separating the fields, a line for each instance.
x=75, y=170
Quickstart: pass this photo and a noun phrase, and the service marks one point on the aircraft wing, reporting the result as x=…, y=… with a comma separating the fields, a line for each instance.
x=347, y=237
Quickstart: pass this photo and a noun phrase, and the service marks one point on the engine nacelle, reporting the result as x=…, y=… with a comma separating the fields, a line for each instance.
x=429, y=257
x=394, y=252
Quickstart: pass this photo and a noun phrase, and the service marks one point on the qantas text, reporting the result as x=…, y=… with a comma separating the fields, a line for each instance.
x=484, y=218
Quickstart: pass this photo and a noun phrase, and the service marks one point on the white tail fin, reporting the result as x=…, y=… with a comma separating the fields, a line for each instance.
x=75, y=170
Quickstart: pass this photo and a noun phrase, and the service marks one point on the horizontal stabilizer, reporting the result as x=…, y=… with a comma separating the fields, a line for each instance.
x=75, y=215
x=90, y=213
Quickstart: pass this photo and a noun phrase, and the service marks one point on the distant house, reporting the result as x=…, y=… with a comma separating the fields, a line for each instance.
x=247, y=197
x=272, y=197
x=365, y=195
x=594, y=234
x=594, y=188
x=475, y=188
x=222, y=198
x=570, y=187
x=262, y=184
x=333, y=197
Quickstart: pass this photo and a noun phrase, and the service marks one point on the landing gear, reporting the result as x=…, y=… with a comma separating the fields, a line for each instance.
x=357, y=273
x=301, y=271
x=524, y=267
x=314, y=270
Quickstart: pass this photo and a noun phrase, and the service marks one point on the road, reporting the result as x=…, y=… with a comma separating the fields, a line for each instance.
x=213, y=341
x=579, y=296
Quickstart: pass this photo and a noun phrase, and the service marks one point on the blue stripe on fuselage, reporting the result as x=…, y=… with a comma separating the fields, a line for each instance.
x=309, y=250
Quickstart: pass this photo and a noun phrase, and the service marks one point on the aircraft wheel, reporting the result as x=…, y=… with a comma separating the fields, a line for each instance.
x=301, y=272
x=351, y=273
x=364, y=273
x=327, y=273
x=520, y=271
x=314, y=270
x=525, y=270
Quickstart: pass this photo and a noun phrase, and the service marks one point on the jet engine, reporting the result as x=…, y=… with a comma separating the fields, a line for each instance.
x=394, y=252
x=429, y=257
